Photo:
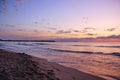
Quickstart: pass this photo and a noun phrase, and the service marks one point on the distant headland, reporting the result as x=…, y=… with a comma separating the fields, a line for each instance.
x=28, y=40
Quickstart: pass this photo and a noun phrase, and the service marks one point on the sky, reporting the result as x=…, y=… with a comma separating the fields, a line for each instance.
x=51, y=19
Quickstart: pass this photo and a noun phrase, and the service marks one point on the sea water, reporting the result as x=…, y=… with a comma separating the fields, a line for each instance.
x=97, y=58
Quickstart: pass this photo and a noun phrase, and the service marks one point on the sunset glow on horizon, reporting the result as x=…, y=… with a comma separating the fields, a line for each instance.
x=52, y=19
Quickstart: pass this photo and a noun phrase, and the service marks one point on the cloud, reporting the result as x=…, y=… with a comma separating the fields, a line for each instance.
x=20, y=30
x=111, y=29
x=67, y=31
x=7, y=25
x=76, y=31
x=84, y=31
x=73, y=39
x=35, y=22
x=90, y=34
x=111, y=36
x=63, y=32
x=4, y=5
x=20, y=0
x=36, y=31
x=16, y=7
x=52, y=28
x=89, y=28
x=84, y=20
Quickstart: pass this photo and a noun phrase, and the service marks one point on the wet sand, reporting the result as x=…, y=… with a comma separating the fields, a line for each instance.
x=20, y=66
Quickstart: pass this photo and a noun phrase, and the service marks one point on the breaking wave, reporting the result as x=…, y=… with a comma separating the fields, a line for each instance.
x=85, y=52
x=109, y=46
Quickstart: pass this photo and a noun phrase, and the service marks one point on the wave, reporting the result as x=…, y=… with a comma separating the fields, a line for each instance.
x=74, y=51
x=98, y=46
x=25, y=44
x=87, y=52
x=109, y=46
x=80, y=45
x=71, y=51
x=31, y=44
x=116, y=53
x=42, y=44
x=1, y=44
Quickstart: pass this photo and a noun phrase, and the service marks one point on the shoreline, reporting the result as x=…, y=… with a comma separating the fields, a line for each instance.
x=17, y=66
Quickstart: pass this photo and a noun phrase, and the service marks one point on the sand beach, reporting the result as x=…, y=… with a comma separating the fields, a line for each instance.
x=20, y=66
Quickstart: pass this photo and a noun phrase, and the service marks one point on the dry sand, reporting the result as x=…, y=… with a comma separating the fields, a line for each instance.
x=20, y=66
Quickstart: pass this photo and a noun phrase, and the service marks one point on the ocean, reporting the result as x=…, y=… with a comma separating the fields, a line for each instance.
x=97, y=58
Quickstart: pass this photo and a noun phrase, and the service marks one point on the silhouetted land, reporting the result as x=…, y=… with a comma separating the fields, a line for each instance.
x=28, y=40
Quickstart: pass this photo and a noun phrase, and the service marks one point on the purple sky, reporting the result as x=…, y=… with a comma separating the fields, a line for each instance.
x=49, y=19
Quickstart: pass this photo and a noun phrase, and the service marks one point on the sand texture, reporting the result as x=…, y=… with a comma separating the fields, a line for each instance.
x=20, y=66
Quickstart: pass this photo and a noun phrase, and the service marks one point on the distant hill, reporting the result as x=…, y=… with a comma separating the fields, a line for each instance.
x=28, y=40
